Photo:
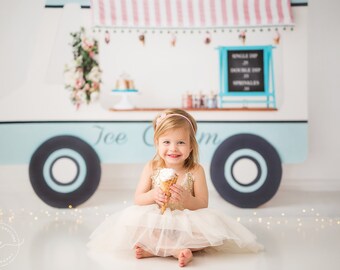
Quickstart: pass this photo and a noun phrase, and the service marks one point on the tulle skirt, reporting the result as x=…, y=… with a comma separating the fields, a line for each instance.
x=164, y=235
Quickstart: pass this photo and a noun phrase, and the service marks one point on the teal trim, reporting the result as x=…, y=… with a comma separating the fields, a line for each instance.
x=293, y=2
x=81, y=173
x=64, y=2
x=132, y=142
x=233, y=182
x=125, y=91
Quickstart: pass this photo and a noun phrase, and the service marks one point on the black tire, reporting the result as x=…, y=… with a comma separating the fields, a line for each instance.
x=81, y=186
x=267, y=164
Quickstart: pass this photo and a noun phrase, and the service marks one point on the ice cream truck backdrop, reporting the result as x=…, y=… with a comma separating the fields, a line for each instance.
x=239, y=67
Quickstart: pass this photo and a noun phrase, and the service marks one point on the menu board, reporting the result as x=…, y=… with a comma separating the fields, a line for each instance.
x=245, y=71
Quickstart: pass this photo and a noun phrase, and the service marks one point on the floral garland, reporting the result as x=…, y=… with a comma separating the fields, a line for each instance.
x=83, y=75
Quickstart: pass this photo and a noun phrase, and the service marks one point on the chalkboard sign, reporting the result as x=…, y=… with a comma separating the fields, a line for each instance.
x=247, y=75
x=245, y=71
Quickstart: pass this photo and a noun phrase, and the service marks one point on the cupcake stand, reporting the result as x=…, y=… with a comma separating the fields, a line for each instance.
x=124, y=103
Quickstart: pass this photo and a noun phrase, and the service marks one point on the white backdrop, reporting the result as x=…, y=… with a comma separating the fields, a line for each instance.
x=323, y=55
x=324, y=95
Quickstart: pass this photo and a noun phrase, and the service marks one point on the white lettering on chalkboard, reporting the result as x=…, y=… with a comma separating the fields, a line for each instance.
x=256, y=69
x=249, y=83
x=253, y=55
x=240, y=70
x=245, y=71
x=240, y=55
x=245, y=55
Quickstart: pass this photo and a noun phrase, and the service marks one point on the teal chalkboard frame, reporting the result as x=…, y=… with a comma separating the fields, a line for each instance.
x=245, y=97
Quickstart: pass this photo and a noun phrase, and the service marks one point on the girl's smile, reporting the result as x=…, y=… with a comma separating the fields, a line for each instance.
x=173, y=155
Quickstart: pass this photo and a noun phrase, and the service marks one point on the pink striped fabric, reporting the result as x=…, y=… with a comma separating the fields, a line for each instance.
x=101, y=11
x=168, y=12
x=269, y=11
x=124, y=13
x=191, y=13
x=246, y=11
x=213, y=12
x=279, y=10
x=135, y=12
x=113, y=12
x=179, y=13
x=146, y=12
x=224, y=12
x=235, y=12
x=157, y=13
x=290, y=12
x=257, y=12
x=201, y=10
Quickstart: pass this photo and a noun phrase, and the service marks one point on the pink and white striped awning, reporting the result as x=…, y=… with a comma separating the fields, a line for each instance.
x=191, y=14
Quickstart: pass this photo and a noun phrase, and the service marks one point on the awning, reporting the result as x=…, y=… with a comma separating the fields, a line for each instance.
x=191, y=14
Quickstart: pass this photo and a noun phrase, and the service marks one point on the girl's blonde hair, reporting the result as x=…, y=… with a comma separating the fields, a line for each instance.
x=174, y=119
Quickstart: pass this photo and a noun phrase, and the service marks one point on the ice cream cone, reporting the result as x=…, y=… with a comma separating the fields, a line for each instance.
x=168, y=177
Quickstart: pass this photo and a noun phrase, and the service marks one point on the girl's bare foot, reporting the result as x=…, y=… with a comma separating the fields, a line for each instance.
x=184, y=257
x=141, y=253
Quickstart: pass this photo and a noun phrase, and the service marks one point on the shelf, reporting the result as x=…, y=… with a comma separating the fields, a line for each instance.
x=197, y=109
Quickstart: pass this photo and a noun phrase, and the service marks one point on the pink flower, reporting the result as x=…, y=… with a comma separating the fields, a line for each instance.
x=87, y=44
x=79, y=83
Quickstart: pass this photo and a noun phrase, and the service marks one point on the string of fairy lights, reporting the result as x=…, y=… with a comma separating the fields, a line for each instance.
x=298, y=220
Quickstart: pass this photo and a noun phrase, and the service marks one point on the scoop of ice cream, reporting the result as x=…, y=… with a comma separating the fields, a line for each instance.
x=166, y=174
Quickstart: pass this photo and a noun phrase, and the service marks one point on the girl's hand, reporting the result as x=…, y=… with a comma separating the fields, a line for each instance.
x=178, y=194
x=159, y=196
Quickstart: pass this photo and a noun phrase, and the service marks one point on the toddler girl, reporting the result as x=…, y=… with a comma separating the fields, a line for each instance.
x=186, y=225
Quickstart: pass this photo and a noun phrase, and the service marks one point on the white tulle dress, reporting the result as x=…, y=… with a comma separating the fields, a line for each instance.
x=177, y=229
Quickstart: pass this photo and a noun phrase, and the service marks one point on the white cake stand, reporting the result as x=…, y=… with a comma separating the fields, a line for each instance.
x=124, y=102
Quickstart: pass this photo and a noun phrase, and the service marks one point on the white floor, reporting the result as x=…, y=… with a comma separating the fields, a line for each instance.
x=300, y=229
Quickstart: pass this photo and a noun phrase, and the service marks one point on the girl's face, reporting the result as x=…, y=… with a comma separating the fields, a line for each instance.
x=174, y=147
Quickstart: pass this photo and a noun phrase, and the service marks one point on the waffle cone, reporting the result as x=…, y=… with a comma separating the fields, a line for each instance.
x=165, y=186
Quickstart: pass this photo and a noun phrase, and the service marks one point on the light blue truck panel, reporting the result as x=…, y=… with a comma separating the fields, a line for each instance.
x=132, y=142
